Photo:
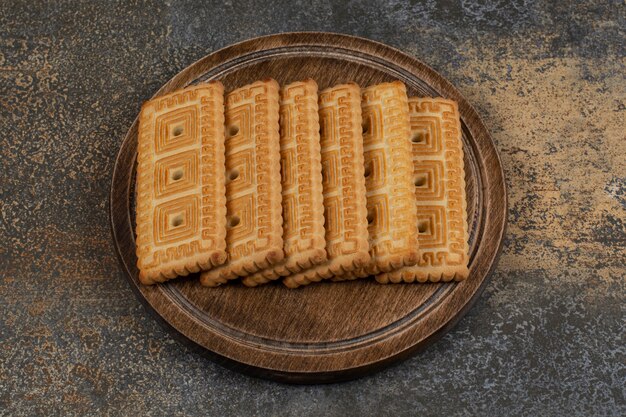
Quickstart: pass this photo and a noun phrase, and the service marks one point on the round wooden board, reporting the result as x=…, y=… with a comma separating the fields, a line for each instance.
x=330, y=331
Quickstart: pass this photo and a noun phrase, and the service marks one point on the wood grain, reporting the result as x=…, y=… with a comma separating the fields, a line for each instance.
x=330, y=332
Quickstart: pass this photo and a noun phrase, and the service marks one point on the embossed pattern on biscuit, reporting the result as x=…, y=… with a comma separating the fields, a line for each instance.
x=253, y=191
x=440, y=190
x=301, y=168
x=343, y=184
x=388, y=180
x=181, y=204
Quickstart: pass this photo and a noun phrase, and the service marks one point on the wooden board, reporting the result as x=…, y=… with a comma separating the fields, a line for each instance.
x=331, y=331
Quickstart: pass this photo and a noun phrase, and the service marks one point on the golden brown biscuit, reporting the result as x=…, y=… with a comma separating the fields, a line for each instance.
x=181, y=204
x=440, y=191
x=253, y=195
x=388, y=179
x=302, y=200
x=343, y=186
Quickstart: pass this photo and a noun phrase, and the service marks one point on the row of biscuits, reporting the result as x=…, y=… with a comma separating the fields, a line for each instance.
x=277, y=183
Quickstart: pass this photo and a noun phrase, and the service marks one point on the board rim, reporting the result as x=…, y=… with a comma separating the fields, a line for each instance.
x=321, y=39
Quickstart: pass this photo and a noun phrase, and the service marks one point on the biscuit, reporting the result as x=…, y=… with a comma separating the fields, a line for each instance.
x=181, y=205
x=388, y=180
x=253, y=192
x=440, y=191
x=301, y=168
x=343, y=183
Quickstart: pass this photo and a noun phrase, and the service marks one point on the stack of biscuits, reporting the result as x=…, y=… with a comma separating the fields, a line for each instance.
x=268, y=183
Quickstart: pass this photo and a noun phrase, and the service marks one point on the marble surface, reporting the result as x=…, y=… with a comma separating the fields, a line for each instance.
x=546, y=338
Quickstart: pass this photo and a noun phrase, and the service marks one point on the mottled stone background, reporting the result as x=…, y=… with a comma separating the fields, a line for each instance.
x=547, y=336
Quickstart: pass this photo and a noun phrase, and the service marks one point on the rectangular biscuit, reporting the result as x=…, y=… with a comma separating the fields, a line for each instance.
x=440, y=191
x=301, y=168
x=181, y=205
x=253, y=192
x=391, y=215
x=343, y=185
